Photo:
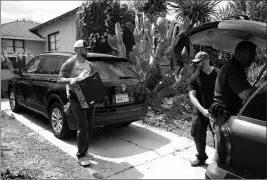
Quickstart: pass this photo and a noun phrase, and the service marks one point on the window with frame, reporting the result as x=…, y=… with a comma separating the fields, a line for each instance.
x=256, y=108
x=53, y=41
x=32, y=66
x=11, y=46
x=49, y=65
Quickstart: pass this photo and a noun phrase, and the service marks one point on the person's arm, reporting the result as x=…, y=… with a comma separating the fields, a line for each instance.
x=63, y=80
x=64, y=74
x=10, y=65
x=195, y=102
x=244, y=94
x=192, y=86
x=238, y=82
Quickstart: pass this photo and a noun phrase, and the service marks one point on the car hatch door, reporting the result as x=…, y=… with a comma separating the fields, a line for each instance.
x=231, y=31
x=248, y=137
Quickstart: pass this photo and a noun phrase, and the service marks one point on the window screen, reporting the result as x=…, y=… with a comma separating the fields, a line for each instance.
x=53, y=42
x=11, y=46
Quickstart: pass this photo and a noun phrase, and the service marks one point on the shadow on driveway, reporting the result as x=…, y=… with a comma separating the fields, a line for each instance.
x=111, y=142
x=116, y=149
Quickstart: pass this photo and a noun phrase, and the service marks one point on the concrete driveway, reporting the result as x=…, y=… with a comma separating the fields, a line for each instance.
x=135, y=152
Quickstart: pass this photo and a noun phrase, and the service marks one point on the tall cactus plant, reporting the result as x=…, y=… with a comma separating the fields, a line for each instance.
x=145, y=55
x=96, y=20
x=147, y=41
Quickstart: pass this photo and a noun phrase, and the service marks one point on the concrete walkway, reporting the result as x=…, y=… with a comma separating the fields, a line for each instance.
x=134, y=152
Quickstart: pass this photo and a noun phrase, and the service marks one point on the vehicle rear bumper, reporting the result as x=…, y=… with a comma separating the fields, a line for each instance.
x=114, y=116
x=215, y=172
x=125, y=114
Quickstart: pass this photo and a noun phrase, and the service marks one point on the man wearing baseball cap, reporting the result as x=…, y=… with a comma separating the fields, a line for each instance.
x=201, y=90
x=69, y=72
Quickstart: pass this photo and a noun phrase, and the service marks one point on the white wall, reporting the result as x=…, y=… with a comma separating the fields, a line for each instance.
x=67, y=33
x=6, y=74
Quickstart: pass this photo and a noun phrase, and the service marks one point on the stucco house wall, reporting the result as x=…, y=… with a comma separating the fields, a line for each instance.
x=35, y=48
x=67, y=33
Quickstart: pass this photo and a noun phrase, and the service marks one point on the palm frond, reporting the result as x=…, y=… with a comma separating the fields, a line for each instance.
x=156, y=7
x=136, y=5
x=199, y=11
x=226, y=12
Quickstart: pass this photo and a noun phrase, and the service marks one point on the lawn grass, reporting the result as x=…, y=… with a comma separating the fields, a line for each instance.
x=27, y=155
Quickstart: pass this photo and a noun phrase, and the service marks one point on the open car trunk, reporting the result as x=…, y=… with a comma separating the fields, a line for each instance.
x=226, y=34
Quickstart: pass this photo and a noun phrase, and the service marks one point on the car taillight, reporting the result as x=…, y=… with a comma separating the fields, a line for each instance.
x=223, y=148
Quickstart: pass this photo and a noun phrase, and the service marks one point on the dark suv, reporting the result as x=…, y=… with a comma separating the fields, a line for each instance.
x=35, y=87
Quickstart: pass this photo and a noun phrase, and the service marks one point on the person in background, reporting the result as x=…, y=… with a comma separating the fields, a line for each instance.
x=68, y=75
x=201, y=88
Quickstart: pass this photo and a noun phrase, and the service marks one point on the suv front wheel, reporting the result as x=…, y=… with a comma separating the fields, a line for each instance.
x=58, y=121
x=13, y=100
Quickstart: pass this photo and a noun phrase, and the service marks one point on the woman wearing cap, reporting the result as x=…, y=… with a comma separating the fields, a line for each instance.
x=68, y=75
x=201, y=90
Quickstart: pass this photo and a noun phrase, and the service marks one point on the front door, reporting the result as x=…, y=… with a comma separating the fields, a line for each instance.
x=46, y=79
x=19, y=88
x=28, y=73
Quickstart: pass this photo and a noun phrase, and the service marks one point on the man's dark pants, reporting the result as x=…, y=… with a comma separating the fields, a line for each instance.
x=85, y=125
x=199, y=133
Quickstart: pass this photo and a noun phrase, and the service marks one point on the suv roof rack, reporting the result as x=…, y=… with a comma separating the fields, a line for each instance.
x=58, y=52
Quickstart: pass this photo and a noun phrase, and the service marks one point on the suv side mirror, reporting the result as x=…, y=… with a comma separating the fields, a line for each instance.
x=17, y=71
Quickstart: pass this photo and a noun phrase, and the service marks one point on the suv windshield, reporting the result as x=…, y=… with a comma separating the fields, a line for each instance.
x=113, y=68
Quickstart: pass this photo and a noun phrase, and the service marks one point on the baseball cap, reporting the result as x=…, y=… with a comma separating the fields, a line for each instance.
x=200, y=56
x=81, y=43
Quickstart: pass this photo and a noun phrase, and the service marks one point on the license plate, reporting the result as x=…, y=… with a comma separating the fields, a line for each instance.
x=121, y=98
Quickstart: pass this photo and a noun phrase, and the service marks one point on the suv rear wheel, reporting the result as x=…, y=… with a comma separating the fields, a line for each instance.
x=15, y=107
x=58, y=121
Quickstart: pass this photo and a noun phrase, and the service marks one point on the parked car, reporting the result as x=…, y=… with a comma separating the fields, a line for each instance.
x=241, y=147
x=35, y=87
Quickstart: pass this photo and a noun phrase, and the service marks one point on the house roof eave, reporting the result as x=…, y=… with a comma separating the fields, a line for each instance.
x=72, y=12
x=23, y=38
